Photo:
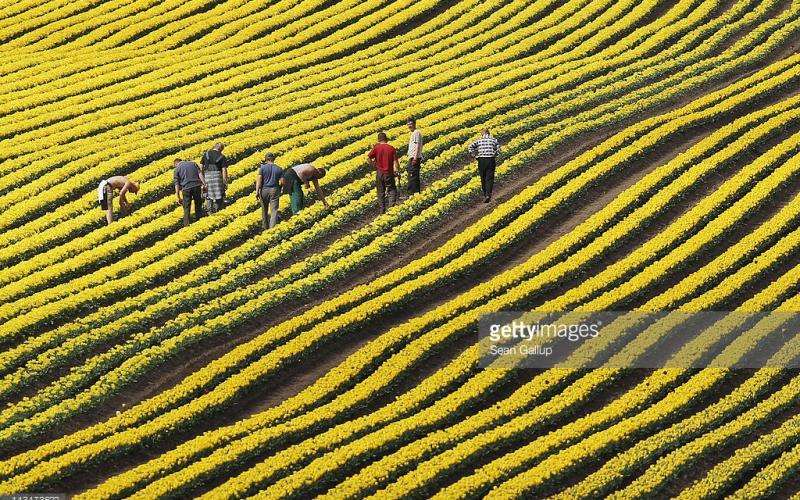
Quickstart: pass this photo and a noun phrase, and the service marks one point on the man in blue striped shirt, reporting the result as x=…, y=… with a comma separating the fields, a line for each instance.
x=485, y=150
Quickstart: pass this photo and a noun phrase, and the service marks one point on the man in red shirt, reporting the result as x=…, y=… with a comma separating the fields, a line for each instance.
x=383, y=156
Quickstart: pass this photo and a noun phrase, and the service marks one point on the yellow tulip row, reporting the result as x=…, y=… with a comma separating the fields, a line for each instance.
x=277, y=87
x=228, y=28
x=51, y=291
x=613, y=471
x=616, y=435
x=235, y=27
x=781, y=442
x=439, y=313
x=283, y=24
x=10, y=11
x=75, y=62
x=620, y=139
x=37, y=15
x=518, y=460
x=353, y=24
x=243, y=118
x=406, y=457
x=709, y=420
x=62, y=384
x=45, y=72
x=100, y=17
x=152, y=23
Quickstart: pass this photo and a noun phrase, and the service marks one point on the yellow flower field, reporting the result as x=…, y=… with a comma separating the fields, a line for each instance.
x=650, y=163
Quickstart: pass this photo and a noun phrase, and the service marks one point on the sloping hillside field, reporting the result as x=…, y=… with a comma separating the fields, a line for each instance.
x=646, y=193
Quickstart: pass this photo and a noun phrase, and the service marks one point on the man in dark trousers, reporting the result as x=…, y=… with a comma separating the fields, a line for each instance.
x=383, y=156
x=189, y=181
x=268, y=190
x=485, y=150
x=215, y=169
x=414, y=156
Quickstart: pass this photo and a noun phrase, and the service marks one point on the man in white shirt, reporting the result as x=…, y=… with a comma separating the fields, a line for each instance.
x=414, y=157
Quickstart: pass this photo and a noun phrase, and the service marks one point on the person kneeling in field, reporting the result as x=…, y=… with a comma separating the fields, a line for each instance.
x=304, y=173
x=105, y=194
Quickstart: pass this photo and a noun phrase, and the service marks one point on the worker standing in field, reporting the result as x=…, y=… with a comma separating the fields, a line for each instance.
x=105, y=194
x=189, y=181
x=485, y=149
x=305, y=173
x=215, y=170
x=268, y=190
x=414, y=156
x=383, y=156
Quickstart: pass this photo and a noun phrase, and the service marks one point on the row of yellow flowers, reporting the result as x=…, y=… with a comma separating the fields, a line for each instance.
x=201, y=78
x=709, y=420
x=100, y=17
x=600, y=482
x=236, y=25
x=426, y=473
x=270, y=89
x=37, y=15
x=359, y=84
x=619, y=434
x=171, y=57
x=50, y=292
x=539, y=187
x=519, y=460
x=782, y=442
x=438, y=312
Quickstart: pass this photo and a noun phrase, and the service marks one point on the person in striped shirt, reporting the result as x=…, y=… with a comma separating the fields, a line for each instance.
x=485, y=150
